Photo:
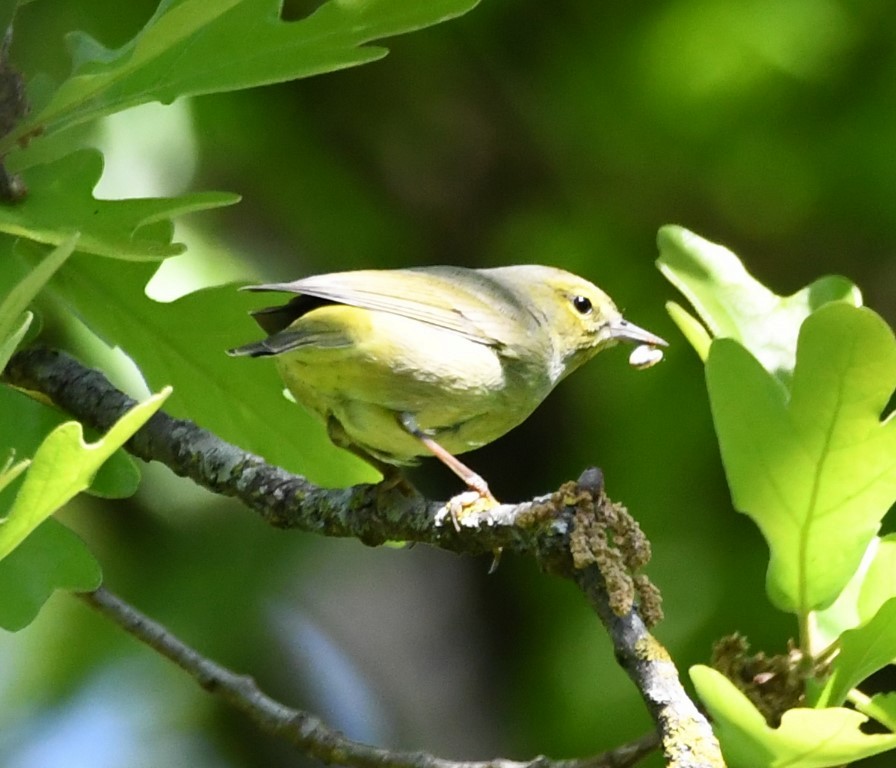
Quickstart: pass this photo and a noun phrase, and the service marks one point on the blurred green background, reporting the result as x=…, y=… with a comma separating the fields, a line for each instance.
x=561, y=133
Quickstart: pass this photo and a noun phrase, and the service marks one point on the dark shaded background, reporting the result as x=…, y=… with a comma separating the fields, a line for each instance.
x=562, y=133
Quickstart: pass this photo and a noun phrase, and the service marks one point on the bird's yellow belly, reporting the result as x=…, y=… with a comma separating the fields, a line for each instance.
x=458, y=391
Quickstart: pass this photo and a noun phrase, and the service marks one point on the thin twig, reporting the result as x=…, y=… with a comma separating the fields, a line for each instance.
x=305, y=731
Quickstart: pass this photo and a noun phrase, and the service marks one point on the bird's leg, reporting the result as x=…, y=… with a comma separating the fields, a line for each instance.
x=461, y=506
x=474, y=481
x=393, y=477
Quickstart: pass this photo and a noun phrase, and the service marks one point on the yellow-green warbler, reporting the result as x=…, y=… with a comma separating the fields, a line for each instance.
x=436, y=360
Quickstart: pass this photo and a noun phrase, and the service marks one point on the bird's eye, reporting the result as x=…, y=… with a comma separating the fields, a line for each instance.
x=582, y=304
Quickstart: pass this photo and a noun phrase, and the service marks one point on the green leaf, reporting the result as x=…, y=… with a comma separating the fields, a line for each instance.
x=63, y=466
x=816, y=472
x=734, y=305
x=11, y=341
x=806, y=738
x=117, y=478
x=879, y=584
x=183, y=343
x=7, y=12
x=11, y=470
x=863, y=651
x=831, y=622
x=14, y=321
x=60, y=204
x=181, y=51
x=51, y=558
x=882, y=707
x=691, y=327
x=872, y=585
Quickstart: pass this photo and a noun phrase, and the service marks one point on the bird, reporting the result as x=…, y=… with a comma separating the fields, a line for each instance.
x=440, y=360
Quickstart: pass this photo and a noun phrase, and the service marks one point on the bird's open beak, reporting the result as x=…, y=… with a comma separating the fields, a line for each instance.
x=623, y=330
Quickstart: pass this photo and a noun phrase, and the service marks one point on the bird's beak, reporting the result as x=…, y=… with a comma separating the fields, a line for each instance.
x=623, y=330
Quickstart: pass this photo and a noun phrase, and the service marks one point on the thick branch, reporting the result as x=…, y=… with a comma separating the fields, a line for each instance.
x=304, y=731
x=687, y=738
x=282, y=499
x=549, y=528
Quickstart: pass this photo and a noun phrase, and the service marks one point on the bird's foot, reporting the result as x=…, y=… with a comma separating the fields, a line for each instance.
x=394, y=480
x=469, y=509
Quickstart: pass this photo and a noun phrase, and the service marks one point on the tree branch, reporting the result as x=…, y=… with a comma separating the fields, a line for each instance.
x=305, y=731
x=577, y=533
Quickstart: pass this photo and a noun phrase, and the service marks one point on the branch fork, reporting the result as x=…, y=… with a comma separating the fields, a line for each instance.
x=577, y=533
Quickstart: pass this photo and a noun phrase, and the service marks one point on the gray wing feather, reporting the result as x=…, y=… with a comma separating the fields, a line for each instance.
x=465, y=301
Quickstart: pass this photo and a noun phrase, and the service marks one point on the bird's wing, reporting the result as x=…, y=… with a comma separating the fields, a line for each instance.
x=465, y=301
x=289, y=339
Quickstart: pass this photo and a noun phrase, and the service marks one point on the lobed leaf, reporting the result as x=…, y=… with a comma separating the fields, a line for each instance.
x=60, y=206
x=863, y=651
x=117, y=478
x=816, y=471
x=183, y=343
x=806, y=738
x=733, y=304
x=192, y=47
x=63, y=466
x=51, y=558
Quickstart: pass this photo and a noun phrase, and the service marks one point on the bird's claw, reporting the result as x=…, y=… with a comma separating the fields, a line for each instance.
x=469, y=509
